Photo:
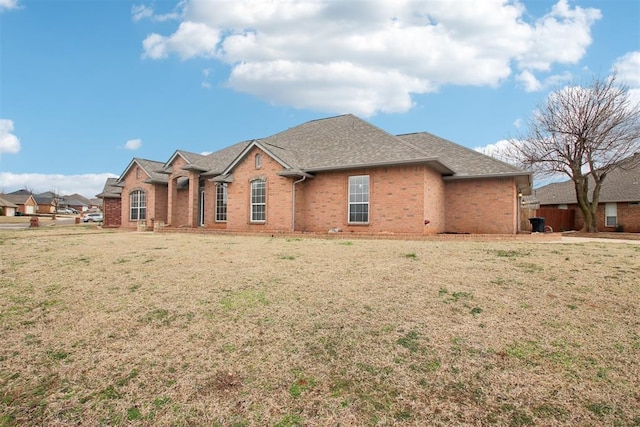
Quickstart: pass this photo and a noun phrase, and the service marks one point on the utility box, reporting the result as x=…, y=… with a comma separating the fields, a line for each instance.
x=34, y=221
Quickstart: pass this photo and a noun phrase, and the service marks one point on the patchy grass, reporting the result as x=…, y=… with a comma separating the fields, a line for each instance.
x=244, y=331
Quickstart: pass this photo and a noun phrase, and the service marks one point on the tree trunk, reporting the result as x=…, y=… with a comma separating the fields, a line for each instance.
x=582, y=194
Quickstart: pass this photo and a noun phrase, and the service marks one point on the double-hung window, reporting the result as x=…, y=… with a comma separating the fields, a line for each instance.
x=221, y=202
x=138, y=205
x=611, y=215
x=258, y=200
x=359, y=199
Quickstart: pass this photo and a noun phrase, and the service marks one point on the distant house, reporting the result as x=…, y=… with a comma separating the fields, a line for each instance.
x=335, y=174
x=24, y=200
x=619, y=201
x=75, y=201
x=47, y=202
x=7, y=208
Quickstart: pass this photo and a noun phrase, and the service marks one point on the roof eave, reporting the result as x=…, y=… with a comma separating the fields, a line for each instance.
x=523, y=179
x=288, y=173
x=192, y=167
x=431, y=162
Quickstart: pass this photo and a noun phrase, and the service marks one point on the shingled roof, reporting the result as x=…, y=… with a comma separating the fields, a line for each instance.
x=340, y=142
x=622, y=184
x=215, y=163
x=111, y=189
x=152, y=168
x=188, y=157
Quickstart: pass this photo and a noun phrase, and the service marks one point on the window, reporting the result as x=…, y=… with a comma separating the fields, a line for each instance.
x=611, y=214
x=258, y=200
x=138, y=205
x=221, y=202
x=359, y=199
x=258, y=161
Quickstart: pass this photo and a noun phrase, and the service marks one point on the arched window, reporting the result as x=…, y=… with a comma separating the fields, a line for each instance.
x=138, y=205
x=258, y=200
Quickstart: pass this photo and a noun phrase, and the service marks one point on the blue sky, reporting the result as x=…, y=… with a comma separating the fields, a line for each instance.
x=86, y=85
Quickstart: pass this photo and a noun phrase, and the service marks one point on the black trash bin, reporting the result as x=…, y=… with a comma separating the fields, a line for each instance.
x=537, y=224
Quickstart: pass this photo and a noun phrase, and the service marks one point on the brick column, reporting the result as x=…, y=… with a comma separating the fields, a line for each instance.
x=194, y=183
x=172, y=196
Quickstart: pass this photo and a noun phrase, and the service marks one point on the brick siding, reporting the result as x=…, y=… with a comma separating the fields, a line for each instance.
x=481, y=206
x=112, y=212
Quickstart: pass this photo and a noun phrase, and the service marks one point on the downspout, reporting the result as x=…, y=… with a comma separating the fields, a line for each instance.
x=293, y=204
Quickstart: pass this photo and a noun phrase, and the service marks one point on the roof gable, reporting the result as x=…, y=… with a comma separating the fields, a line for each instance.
x=215, y=163
x=254, y=144
x=150, y=167
x=187, y=156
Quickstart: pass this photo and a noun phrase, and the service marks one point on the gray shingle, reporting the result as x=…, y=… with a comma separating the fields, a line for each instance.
x=111, y=189
x=216, y=163
x=622, y=184
x=464, y=161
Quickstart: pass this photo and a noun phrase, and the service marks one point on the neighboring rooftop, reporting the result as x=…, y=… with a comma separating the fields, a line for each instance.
x=622, y=184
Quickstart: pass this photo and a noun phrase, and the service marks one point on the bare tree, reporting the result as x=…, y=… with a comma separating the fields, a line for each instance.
x=584, y=133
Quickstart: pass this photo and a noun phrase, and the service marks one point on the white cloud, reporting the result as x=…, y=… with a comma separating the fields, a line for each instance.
x=498, y=150
x=562, y=36
x=368, y=57
x=140, y=12
x=628, y=69
x=191, y=40
x=517, y=123
x=87, y=185
x=531, y=83
x=8, y=5
x=9, y=143
x=133, y=144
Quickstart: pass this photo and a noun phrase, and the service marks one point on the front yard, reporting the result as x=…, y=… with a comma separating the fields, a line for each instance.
x=123, y=328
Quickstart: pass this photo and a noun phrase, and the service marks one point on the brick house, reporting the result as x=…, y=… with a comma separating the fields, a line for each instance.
x=339, y=173
x=619, y=201
x=25, y=201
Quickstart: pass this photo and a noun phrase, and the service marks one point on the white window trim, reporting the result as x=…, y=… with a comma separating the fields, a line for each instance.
x=611, y=211
x=226, y=205
x=367, y=202
x=138, y=208
x=252, y=204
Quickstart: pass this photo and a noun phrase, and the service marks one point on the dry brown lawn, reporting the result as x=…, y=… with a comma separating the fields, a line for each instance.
x=125, y=328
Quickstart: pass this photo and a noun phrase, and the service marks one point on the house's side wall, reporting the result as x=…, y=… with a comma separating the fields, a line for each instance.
x=434, y=202
x=278, y=195
x=397, y=201
x=481, y=206
x=628, y=217
x=112, y=212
